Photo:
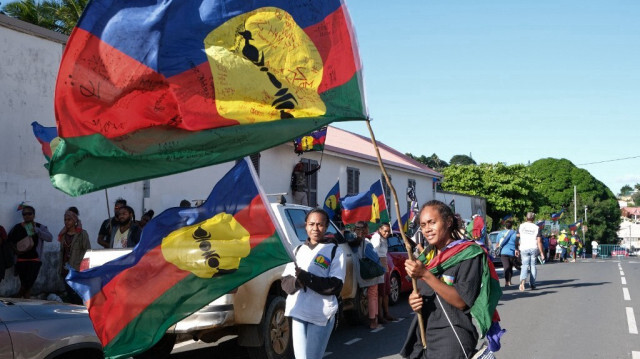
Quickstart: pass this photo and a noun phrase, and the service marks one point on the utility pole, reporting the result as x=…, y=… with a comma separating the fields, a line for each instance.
x=575, y=205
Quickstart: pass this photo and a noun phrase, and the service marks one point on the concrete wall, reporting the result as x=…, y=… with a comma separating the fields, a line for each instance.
x=29, y=61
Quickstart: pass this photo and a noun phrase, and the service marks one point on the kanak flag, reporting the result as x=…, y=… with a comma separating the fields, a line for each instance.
x=369, y=206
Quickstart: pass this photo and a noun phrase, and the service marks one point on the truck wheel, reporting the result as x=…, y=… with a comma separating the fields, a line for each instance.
x=160, y=350
x=395, y=288
x=275, y=329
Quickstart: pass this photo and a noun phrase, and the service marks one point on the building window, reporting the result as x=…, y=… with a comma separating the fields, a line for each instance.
x=353, y=181
x=387, y=191
x=255, y=160
x=312, y=181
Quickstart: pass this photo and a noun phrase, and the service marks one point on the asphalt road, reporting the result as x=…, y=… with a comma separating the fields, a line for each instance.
x=589, y=309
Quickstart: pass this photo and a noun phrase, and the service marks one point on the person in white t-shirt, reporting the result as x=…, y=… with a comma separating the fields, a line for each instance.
x=594, y=249
x=529, y=246
x=312, y=283
x=380, y=244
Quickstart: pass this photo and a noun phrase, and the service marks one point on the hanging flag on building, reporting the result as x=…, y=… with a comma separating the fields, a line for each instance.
x=47, y=136
x=311, y=142
x=332, y=201
x=369, y=206
x=186, y=258
x=152, y=88
x=556, y=216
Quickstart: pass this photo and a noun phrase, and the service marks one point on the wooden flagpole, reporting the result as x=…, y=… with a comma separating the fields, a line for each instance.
x=400, y=225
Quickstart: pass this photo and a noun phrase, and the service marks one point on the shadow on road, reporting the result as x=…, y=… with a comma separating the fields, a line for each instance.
x=544, y=287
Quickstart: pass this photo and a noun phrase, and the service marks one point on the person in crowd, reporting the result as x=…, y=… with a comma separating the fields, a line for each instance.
x=146, y=217
x=381, y=246
x=185, y=203
x=106, y=228
x=478, y=227
x=74, y=243
x=553, y=244
x=545, y=246
x=563, y=243
x=449, y=294
x=529, y=246
x=126, y=234
x=26, y=239
x=313, y=283
x=507, y=243
x=362, y=248
x=6, y=253
x=299, y=183
x=574, y=244
x=594, y=249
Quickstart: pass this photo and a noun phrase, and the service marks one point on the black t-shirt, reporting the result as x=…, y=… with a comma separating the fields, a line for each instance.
x=441, y=341
x=105, y=228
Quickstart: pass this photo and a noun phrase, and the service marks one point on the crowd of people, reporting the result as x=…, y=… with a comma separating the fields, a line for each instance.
x=22, y=246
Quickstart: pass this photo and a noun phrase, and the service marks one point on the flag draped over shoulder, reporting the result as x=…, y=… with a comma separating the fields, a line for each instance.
x=186, y=258
x=151, y=88
x=369, y=206
x=332, y=201
x=47, y=136
x=311, y=142
x=484, y=308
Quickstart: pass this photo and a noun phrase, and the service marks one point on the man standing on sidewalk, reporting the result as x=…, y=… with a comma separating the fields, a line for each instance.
x=528, y=247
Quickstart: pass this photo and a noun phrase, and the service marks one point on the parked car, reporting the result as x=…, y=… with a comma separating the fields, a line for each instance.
x=396, y=256
x=493, y=246
x=43, y=329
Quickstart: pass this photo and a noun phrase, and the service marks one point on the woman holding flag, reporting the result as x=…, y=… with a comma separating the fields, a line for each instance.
x=455, y=282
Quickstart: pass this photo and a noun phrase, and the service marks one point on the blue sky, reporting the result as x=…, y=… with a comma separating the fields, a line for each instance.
x=505, y=81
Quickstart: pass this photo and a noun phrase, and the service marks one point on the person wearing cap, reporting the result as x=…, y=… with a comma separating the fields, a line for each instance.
x=529, y=246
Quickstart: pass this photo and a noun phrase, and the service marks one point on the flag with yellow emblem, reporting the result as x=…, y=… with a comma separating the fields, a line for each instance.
x=186, y=258
x=332, y=201
x=369, y=206
x=148, y=88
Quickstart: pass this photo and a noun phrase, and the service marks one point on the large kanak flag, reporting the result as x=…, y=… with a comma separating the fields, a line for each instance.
x=151, y=88
x=186, y=258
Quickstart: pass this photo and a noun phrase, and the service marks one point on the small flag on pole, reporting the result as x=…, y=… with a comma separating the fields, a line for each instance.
x=311, y=142
x=332, y=201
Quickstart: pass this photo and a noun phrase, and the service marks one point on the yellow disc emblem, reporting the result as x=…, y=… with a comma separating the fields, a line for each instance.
x=375, y=209
x=264, y=68
x=212, y=247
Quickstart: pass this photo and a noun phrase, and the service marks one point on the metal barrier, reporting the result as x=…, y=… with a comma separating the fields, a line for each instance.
x=612, y=250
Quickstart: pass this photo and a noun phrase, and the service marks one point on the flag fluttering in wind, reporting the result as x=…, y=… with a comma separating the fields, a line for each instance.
x=406, y=220
x=311, y=142
x=574, y=226
x=369, y=206
x=332, y=201
x=186, y=258
x=556, y=216
x=47, y=136
x=151, y=88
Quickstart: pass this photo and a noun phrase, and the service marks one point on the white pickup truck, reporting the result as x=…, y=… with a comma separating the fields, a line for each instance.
x=255, y=310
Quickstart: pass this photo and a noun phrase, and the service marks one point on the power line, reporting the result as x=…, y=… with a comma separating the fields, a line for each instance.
x=617, y=159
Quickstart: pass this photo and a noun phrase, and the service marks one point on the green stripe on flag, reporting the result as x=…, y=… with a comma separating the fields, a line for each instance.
x=190, y=295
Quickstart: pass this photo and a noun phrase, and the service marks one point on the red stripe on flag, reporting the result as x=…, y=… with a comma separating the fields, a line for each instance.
x=357, y=214
x=107, y=312
x=445, y=255
x=382, y=203
x=255, y=219
x=332, y=39
x=46, y=148
x=95, y=82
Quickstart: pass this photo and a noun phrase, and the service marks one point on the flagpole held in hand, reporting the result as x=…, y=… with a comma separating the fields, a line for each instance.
x=414, y=282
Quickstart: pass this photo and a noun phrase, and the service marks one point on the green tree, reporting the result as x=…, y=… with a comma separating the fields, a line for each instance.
x=507, y=189
x=461, y=160
x=433, y=161
x=555, y=180
x=626, y=190
x=60, y=16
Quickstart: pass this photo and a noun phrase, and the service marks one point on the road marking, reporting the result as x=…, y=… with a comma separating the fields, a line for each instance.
x=326, y=354
x=353, y=341
x=377, y=329
x=624, y=280
x=635, y=355
x=621, y=273
x=631, y=320
x=625, y=293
